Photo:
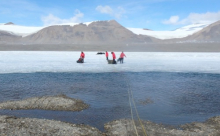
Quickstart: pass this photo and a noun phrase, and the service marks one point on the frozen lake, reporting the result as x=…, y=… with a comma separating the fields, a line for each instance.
x=29, y=62
x=181, y=87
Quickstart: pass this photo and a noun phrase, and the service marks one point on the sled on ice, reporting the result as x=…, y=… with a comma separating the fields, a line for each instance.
x=80, y=60
x=111, y=62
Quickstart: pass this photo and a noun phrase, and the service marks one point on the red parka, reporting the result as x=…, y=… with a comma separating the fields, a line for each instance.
x=122, y=55
x=113, y=55
x=82, y=55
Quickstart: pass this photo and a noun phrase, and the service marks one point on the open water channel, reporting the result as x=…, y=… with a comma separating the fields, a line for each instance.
x=171, y=98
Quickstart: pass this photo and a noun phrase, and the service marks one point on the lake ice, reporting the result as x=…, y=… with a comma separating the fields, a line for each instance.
x=28, y=62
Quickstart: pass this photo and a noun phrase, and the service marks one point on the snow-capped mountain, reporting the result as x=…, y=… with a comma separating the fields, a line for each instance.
x=94, y=32
x=103, y=32
x=19, y=30
x=72, y=33
x=210, y=33
x=6, y=36
x=28, y=30
x=178, y=33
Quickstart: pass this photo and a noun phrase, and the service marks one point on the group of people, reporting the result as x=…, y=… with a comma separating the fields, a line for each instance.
x=121, y=58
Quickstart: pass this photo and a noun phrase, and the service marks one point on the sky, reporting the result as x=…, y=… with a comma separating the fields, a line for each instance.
x=151, y=14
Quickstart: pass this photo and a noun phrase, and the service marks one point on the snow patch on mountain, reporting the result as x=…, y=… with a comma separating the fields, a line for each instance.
x=19, y=30
x=193, y=27
x=28, y=30
x=178, y=33
x=73, y=24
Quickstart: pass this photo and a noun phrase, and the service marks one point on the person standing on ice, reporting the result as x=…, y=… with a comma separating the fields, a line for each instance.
x=114, y=57
x=106, y=54
x=122, y=57
x=82, y=56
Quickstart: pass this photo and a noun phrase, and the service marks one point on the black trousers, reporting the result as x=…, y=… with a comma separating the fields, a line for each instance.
x=121, y=60
x=114, y=62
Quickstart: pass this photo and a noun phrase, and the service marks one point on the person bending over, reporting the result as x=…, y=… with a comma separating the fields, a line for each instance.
x=114, y=57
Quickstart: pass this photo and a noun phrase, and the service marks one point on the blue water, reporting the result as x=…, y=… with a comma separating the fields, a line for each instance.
x=176, y=98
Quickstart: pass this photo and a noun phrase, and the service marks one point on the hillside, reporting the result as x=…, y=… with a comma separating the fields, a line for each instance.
x=95, y=32
x=6, y=37
x=210, y=33
x=163, y=35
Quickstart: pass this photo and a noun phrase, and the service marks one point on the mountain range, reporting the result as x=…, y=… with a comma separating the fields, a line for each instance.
x=105, y=32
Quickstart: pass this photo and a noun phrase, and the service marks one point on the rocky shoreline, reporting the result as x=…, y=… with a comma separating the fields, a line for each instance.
x=10, y=125
x=60, y=102
x=125, y=127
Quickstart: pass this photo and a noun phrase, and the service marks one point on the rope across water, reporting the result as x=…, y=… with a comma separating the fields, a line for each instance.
x=131, y=98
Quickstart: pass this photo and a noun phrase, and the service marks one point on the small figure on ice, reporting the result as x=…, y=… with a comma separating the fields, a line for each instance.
x=121, y=59
x=114, y=57
x=106, y=54
x=81, y=59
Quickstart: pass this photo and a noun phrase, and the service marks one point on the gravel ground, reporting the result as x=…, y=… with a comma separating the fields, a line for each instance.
x=41, y=127
x=12, y=126
x=125, y=127
x=61, y=102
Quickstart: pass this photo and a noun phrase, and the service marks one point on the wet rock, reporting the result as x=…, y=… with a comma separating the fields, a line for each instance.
x=126, y=127
x=146, y=101
x=12, y=126
x=60, y=102
x=210, y=126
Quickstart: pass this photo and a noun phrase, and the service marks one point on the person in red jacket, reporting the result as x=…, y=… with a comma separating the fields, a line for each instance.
x=122, y=57
x=114, y=57
x=82, y=56
x=106, y=54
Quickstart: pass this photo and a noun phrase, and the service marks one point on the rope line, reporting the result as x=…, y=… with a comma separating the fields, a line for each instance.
x=137, y=113
x=131, y=97
x=132, y=113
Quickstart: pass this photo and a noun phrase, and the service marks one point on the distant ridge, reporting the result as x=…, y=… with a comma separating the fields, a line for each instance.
x=95, y=32
x=6, y=37
x=9, y=23
x=210, y=33
x=103, y=32
x=147, y=29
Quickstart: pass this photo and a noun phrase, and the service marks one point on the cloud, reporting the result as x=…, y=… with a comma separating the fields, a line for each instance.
x=208, y=17
x=117, y=12
x=52, y=20
x=172, y=20
x=192, y=18
x=105, y=9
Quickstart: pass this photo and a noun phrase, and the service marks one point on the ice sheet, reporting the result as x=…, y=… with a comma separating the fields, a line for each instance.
x=29, y=62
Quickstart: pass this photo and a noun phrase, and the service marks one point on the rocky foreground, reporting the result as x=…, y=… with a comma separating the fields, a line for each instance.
x=125, y=127
x=37, y=127
x=61, y=103
x=11, y=126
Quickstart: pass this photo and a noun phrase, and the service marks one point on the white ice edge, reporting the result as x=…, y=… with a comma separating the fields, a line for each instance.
x=30, y=62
